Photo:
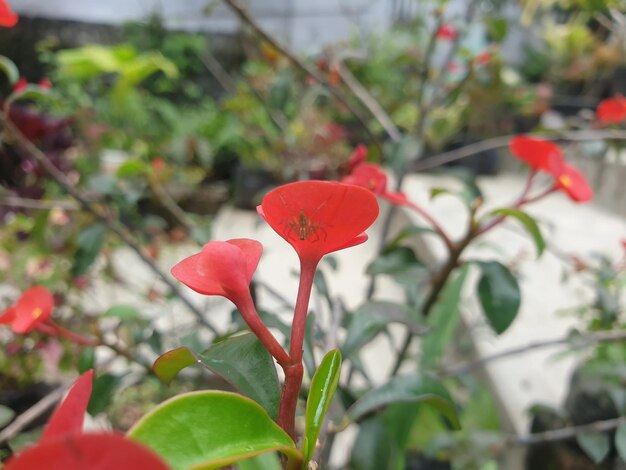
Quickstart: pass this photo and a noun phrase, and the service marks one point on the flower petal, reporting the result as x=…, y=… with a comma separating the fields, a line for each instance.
x=319, y=217
x=252, y=250
x=186, y=271
x=33, y=307
x=537, y=153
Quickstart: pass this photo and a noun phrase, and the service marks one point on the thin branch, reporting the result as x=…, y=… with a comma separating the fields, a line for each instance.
x=566, y=433
x=503, y=141
x=113, y=225
x=26, y=203
x=369, y=102
x=246, y=18
x=577, y=341
x=34, y=412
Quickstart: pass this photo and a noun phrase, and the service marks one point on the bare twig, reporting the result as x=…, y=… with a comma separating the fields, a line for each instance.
x=577, y=341
x=26, y=203
x=369, y=102
x=113, y=225
x=34, y=412
x=566, y=433
x=503, y=141
x=246, y=18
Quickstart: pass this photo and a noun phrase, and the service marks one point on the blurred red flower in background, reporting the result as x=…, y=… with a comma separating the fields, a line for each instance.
x=612, y=110
x=8, y=18
x=32, y=308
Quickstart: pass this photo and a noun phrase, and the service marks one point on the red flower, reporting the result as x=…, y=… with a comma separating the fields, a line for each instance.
x=31, y=309
x=221, y=268
x=571, y=181
x=372, y=177
x=358, y=156
x=21, y=84
x=612, y=110
x=63, y=446
x=319, y=217
x=454, y=67
x=539, y=154
x=483, y=58
x=447, y=31
x=45, y=83
x=8, y=19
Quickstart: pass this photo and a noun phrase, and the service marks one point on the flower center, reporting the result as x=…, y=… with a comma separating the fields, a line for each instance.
x=37, y=313
x=565, y=180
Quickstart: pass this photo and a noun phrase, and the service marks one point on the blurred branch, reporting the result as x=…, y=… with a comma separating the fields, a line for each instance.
x=369, y=102
x=246, y=18
x=579, y=341
x=114, y=226
x=31, y=414
x=503, y=141
x=228, y=83
x=26, y=203
x=566, y=433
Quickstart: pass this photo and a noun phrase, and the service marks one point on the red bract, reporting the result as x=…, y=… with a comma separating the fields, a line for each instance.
x=571, y=181
x=88, y=452
x=483, y=58
x=612, y=110
x=319, y=217
x=372, y=177
x=221, y=268
x=8, y=18
x=69, y=416
x=446, y=31
x=45, y=83
x=539, y=154
x=358, y=156
x=32, y=308
x=20, y=85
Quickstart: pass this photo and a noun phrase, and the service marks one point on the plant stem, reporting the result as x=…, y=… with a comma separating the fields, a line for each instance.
x=435, y=225
x=248, y=311
x=294, y=372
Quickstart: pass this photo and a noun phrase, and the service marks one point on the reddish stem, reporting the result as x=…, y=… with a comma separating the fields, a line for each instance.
x=248, y=311
x=294, y=372
x=436, y=227
x=54, y=329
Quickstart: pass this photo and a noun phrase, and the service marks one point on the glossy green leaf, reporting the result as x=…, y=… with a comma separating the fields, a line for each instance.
x=244, y=362
x=373, y=317
x=89, y=243
x=208, y=430
x=168, y=365
x=394, y=261
x=499, y=295
x=123, y=312
x=6, y=415
x=596, y=445
x=529, y=224
x=406, y=389
x=269, y=461
x=102, y=392
x=9, y=69
x=620, y=441
x=323, y=386
x=443, y=319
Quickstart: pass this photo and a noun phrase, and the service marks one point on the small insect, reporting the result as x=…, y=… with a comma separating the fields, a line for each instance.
x=301, y=227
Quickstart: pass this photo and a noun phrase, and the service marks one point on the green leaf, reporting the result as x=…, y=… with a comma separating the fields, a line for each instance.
x=407, y=389
x=499, y=295
x=529, y=224
x=123, y=312
x=443, y=319
x=6, y=415
x=394, y=261
x=89, y=243
x=370, y=319
x=168, y=365
x=245, y=363
x=9, y=69
x=620, y=441
x=102, y=392
x=434, y=192
x=497, y=28
x=86, y=360
x=595, y=444
x=269, y=461
x=208, y=430
x=373, y=449
x=406, y=232
x=323, y=386
x=132, y=168
x=470, y=193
